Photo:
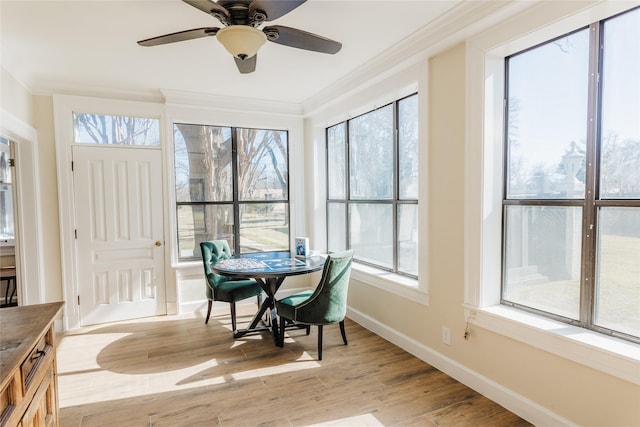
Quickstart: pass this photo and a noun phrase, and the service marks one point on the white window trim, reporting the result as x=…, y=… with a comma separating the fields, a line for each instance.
x=397, y=284
x=483, y=192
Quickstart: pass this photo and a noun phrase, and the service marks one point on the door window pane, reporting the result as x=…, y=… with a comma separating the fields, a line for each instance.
x=408, y=238
x=264, y=227
x=199, y=223
x=547, y=119
x=262, y=164
x=336, y=166
x=336, y=216
x=408, y=147
x=618, y=270
x=542, y=258
x=204, y=172
x=371, y=232
x=107, y=129
x=371, y=155
x=619, y=172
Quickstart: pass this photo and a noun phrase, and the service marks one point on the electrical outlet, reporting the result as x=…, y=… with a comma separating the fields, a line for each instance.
x=446, y=335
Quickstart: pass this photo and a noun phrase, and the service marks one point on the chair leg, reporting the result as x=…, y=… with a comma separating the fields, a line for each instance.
x=233, y=316
x=342, y=331
x=319, y=342
x=282, y=326
x=308, y=328
x=208, y=312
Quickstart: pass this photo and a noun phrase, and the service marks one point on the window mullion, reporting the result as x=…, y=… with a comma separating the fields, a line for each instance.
x=236, y=196
x=347, y=179
x=396, y=186
x=589, y=217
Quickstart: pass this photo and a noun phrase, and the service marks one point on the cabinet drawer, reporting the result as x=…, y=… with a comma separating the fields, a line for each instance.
x=29, y=366
x=42, y=410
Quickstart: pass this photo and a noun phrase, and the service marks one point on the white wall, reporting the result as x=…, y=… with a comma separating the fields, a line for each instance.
x=37, y=252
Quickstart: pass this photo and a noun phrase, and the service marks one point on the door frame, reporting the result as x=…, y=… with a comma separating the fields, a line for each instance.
x=27, y=209
x=63, y=108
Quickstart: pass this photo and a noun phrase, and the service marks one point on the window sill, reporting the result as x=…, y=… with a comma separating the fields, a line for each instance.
x=606, y=354
x=396, y=284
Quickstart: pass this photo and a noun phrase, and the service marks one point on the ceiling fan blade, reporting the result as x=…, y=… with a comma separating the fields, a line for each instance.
x=211, y=8
x=246, y=66
x=274, y=9
x=196, y=33
x=293, y=37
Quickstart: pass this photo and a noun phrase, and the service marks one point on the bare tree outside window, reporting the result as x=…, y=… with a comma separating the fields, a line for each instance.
x=122, y=130
x=231, y=183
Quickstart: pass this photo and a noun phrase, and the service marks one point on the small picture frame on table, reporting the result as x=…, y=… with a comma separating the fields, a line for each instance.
x=302, y=247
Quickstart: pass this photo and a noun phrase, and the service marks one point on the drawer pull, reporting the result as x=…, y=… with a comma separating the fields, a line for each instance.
x=37, y=355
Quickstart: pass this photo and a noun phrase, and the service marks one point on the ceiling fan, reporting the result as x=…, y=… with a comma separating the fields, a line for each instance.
x=241, y=35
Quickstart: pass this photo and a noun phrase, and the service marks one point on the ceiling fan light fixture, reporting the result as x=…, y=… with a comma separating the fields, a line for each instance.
x=241, y=41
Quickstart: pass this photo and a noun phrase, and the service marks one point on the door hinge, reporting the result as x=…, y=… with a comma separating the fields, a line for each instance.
x=75, y=232
x=12, y=162
x=71, y=165
x=78, y=299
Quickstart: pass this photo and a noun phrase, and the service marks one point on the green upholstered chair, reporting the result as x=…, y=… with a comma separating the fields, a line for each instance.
x=325, y=305
x=223, y=288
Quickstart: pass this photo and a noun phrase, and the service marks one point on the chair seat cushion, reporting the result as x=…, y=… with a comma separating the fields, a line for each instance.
x=286, y=306
x=236, y=290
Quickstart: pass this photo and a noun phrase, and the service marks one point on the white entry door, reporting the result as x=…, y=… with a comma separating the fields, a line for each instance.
x=120, y=241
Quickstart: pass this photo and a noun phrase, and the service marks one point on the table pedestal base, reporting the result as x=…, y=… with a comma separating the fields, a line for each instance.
x=262, y=323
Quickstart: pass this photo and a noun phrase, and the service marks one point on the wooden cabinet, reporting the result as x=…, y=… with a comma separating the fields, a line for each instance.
x=28, y=377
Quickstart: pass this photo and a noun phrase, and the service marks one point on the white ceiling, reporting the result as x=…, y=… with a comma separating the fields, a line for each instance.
x=90, y=47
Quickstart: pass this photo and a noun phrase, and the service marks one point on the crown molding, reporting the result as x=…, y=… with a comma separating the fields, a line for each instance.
x=231, y=103
x=50, y=88
x=456, y=25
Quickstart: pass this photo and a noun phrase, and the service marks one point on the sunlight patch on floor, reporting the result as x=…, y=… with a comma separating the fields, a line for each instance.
x=80, y=352
x=107, y=385
x=305, y=356
x=366, y=420
x=275, y=370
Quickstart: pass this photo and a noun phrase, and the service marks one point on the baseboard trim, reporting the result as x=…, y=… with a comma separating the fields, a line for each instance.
x=520, y=405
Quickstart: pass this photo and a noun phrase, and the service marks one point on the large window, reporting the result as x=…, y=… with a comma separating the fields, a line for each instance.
x=571, y=205
x=233, y=184
x=372, y=187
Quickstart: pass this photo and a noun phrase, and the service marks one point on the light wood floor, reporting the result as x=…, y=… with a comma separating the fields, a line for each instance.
x=177, y=371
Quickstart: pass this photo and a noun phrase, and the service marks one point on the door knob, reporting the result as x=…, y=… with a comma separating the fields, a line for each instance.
x=158, y=243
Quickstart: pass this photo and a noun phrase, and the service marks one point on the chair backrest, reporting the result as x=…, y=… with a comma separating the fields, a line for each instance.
x=212, y=251
x=328, y=303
